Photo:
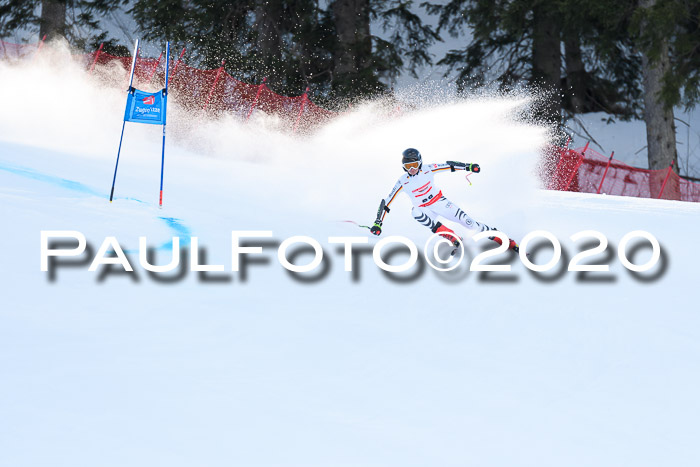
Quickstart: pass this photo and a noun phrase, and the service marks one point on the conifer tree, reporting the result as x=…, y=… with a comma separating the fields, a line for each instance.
x=630, y=58
x=78, y=21
x=329, y=46
x=543, y=44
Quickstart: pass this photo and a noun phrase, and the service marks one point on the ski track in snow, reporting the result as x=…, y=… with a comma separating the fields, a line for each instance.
x=178, y=227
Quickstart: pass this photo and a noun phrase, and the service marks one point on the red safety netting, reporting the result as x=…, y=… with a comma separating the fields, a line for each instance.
x=10, y=51
x=211, y=91
x=216, y=92
x=585, y=170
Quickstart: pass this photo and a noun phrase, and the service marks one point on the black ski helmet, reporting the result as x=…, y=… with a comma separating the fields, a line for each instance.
x=411, y=155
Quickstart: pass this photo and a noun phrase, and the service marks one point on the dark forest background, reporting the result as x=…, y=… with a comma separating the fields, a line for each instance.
x=631, y=59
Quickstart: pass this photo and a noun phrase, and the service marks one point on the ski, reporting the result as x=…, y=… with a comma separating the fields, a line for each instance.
x=359, y=225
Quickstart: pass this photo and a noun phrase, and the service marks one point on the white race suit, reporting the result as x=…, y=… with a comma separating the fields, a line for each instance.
x=428, y=201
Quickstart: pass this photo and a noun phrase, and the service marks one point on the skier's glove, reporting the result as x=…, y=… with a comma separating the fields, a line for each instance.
x=376, y=228
x=474, y=168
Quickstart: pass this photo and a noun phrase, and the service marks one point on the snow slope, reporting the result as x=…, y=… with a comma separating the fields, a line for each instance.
x=347, y=368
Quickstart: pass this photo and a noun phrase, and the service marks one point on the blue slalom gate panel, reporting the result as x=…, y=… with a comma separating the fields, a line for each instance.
x=145, y=107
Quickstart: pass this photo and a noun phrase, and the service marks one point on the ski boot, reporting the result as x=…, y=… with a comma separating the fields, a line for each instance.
x=447, y=233
x=511, y=246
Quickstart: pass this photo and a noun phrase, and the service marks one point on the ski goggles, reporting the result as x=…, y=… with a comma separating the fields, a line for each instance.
x=411, y=165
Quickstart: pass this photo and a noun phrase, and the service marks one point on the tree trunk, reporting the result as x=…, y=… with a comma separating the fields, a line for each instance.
x=267, y=22
x=354, y=54
x=53, y=19
x=661, y=130
x=546, y=64
x=575, y=76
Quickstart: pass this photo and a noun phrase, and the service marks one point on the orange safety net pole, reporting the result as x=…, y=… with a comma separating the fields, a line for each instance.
x=216, y=80
x=606, y=172
x=578, y=164
x=41, y=44
x=97, y=55
x=257, y=96
x=176, y=64
x=552, y=181
x=155, y=67
x=303, y=104
x=668, y=174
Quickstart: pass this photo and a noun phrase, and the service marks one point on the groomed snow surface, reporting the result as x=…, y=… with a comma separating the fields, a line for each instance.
x=359, y=368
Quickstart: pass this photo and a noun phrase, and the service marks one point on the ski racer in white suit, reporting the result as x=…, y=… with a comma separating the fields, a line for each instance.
x=428, y=200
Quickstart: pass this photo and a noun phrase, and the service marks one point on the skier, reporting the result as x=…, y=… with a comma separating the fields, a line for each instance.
x=428, y=200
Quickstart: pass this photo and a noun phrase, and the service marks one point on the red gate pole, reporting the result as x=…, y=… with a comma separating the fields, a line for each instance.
x=303, y=104
x=155, y=67
x=578, y=164
x=97, y=55
x=606, y=172
x=176, y=64
x=216, y=80
x=255, y=101
x=668, y=174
